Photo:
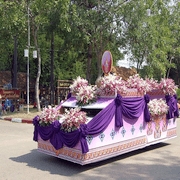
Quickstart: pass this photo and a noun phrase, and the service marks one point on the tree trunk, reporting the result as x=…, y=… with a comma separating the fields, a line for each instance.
x=37, y=80
x=35, y=29
x=89, y=63
x=168, y=71
x=14, y=69
x=52, y=70
x=99, y=52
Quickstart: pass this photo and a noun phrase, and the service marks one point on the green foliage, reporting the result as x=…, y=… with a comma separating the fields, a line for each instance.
x=78, y=70
x=178, y=93
x=83, y=30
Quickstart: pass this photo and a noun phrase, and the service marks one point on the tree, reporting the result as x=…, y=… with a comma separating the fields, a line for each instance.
x=149, y=39
x=71, y=36
x=47, y=20
x=13, y=21
x=95, y=21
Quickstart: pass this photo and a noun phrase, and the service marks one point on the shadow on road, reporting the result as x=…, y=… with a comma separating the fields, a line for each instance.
x=58, y=166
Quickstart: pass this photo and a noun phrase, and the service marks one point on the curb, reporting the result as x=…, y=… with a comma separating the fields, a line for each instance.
x=18, y=120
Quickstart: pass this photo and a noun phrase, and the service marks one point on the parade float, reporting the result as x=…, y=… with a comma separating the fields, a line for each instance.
x=108, y=119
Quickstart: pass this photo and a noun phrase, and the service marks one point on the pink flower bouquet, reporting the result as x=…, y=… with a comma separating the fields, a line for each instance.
x=72, y=119
x=86, y=95
x=77, y=84
x=158, y=107
x=153, y=84
x=168, y=86
x=108, y=85
x=138, y=83
x=48, y=116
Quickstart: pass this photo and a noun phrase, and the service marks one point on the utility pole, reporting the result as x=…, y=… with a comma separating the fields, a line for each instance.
x=14, y=68
x=52, y=71
x=28, y=58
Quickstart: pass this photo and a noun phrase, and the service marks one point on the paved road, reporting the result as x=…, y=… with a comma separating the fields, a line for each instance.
x=20, y=160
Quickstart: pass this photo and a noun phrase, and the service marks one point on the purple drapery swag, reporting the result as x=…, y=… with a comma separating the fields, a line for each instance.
x=173, y=107
x=129, y=107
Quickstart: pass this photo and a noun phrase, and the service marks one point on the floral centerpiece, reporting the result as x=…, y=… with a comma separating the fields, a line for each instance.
x=168, y=86
x=157, y=107
x=72, y=119
x=108, y=85
x=48, y=116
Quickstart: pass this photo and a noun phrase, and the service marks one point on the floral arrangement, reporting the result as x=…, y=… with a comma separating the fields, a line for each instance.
x=153, y=84
x=86, y=95
x=157, y=107
x=168, y=86
x=72, y=119
x=48, y=116
x=108, y=85
x=77, y=84
x=138, y=83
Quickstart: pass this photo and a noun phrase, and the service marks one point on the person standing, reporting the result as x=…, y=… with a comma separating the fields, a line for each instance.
x=7, y=104
x=0, y=105
x=3, y=108
x=0, y=108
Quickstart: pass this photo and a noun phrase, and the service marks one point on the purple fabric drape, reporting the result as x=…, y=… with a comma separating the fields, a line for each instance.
x=59, y=106
x=176, y=113
x=173, y=108
x=69, y=95
x=36, y=124
x=147, y=115
x=129, y=107
x=53, y=133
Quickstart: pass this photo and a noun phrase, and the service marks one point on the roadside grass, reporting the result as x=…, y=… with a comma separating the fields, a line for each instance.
x=22, y=113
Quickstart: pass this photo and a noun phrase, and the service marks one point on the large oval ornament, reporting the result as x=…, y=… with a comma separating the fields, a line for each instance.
x=106, y=62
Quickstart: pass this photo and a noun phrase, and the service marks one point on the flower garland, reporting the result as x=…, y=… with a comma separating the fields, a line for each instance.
x=110, y=84
x=157, y=107
x=72, y=119
x=48, y=116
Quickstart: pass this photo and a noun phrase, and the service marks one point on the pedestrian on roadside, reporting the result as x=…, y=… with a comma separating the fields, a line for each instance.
x=3, y=108
x=7, y=104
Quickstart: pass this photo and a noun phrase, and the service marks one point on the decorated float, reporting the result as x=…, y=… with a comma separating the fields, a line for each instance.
x=108, y=119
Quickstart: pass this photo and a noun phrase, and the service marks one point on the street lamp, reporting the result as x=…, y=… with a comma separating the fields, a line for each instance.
x=148, y=11
x=26, y=54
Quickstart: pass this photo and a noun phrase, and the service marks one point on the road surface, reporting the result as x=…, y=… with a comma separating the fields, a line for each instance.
x=20, y=160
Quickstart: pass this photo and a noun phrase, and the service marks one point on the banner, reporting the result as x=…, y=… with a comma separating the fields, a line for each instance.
x=10, y=94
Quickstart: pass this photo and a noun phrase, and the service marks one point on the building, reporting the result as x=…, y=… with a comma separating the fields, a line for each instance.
x=5, y=84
